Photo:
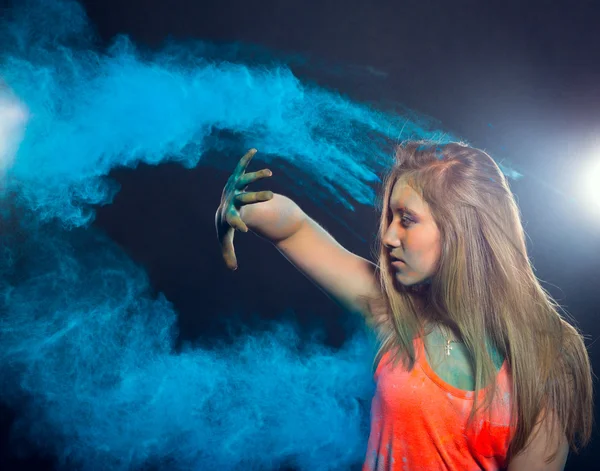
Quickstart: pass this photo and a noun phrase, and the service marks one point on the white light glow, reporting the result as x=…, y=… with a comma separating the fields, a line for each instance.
x=13, y=117
x=591, y=186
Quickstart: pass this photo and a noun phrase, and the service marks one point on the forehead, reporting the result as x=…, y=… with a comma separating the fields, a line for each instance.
x=404, y=196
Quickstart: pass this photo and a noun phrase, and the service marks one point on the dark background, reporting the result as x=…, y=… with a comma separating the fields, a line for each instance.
x=519, y=79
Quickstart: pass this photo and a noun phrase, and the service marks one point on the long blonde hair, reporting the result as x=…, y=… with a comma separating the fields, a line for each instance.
x=485, y=290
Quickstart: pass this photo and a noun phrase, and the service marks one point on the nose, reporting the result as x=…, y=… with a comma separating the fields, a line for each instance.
x=392, y=237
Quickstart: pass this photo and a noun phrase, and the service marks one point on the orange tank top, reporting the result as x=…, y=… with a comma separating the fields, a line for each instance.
x=418, y=421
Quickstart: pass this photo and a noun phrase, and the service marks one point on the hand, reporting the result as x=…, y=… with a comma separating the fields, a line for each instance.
x=227, y=218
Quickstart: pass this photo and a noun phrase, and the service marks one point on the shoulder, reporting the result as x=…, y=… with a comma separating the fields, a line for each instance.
x=547, y=448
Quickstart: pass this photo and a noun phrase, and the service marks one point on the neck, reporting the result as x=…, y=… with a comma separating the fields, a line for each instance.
x=447, y=333
x=441, y=330
x=419, y=293
x=421, y=288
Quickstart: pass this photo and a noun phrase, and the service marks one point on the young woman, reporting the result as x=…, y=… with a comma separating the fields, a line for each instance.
x=477, y=369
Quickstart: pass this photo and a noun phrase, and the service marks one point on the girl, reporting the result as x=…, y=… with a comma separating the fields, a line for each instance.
x=477, y=369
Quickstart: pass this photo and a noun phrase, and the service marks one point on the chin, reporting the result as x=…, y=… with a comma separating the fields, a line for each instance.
x=414, y=283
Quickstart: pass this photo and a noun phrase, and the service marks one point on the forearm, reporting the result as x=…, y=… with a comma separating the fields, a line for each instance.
x=274, y=220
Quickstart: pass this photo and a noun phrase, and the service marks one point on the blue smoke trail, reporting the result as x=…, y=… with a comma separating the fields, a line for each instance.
x=91, y=112
x=86, y=348
x=87, y=353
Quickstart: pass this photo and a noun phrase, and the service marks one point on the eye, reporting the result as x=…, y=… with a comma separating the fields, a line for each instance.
x=406, y=220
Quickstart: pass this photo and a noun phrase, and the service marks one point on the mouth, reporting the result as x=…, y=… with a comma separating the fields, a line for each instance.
x=397, y=262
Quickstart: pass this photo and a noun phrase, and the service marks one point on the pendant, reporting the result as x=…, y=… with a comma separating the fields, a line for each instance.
x=448, y=347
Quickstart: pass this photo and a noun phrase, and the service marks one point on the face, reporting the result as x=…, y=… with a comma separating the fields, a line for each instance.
x=412, y=235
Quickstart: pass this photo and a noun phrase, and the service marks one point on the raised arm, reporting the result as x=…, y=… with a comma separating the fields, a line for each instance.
x=342, y=275
x=339, y=273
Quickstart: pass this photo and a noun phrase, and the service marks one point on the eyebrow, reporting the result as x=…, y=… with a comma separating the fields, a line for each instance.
x=405, y=209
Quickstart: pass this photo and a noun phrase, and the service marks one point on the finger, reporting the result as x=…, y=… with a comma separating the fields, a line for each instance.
x=254, y=197
x=244, y=161
x=235, y=221
x=248, y=178
x=229, y=251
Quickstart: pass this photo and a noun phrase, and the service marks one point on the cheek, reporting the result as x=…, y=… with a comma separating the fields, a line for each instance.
x=425, y=250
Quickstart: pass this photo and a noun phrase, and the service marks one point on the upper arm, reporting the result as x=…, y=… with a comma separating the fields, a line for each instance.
x=540, y=447
x=342, y=275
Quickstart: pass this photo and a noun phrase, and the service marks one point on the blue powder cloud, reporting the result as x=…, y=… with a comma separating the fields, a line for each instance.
x=86, y=349
x=93, y=111
x=87, y=356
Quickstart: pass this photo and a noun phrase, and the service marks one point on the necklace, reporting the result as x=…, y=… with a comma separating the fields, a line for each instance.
x=447, y=346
